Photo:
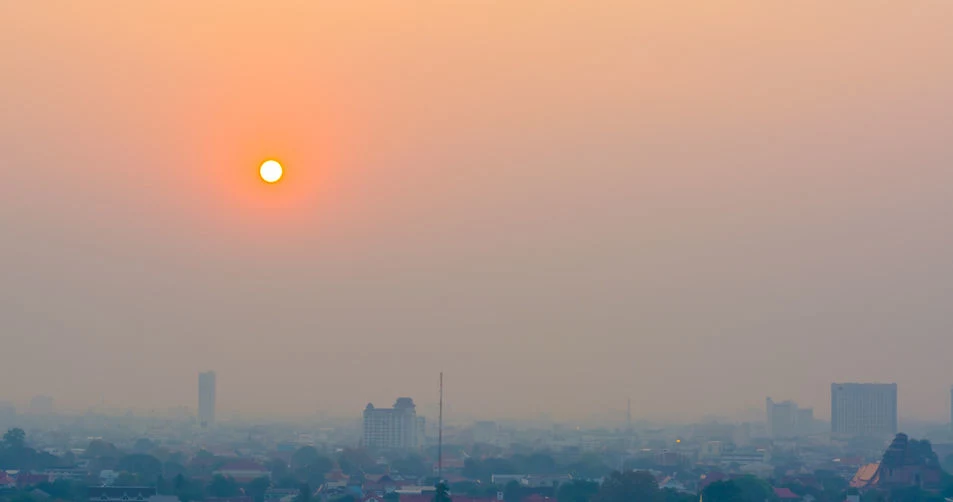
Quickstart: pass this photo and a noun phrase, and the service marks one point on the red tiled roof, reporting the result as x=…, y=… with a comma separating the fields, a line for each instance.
x=865, y=476
x=785, y=494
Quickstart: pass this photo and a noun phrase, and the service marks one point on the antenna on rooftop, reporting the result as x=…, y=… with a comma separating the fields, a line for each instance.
x=440, y=435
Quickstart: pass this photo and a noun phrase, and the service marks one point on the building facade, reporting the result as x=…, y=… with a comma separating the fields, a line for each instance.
x=391, y=428
x=863, y=409
x=786, y=420
x=207, y=398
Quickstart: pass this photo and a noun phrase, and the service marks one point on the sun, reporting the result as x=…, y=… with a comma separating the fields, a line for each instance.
x=270, y=171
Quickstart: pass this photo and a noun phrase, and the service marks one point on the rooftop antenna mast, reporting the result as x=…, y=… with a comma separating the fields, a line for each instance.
x=440, y=435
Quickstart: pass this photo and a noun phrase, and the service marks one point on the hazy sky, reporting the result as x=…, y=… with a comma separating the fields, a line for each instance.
x=560, y=204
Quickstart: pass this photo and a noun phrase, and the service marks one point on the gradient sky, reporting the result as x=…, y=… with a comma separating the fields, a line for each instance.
x=560, y=204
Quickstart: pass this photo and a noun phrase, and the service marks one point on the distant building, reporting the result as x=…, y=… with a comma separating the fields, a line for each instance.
x=785, y=420
x=781, y=418
x=41, y=405
x=951, y=407
x=207, y=398
x=804, y=421
x=906, y=463
x=421, y=432
x=863, y=409
x=391, y=428
x=243, y=471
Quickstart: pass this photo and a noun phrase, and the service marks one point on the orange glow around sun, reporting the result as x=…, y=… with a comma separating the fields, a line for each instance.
x=270, y=171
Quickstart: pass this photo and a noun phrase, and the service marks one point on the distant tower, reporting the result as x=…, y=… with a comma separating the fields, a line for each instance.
x=951, y=407
x=628, y=415
x=207, y=398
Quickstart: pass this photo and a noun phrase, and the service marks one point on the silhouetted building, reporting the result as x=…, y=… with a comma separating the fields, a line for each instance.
x=207, y=398
x=863, y=409
x=391, y=428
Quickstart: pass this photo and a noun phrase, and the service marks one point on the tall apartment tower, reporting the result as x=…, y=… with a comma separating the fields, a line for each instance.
x=781, y=419
x=391, y=428
x=864, y=409
x=207, y=398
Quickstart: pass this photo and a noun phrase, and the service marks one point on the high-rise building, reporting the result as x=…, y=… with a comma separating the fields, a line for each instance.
x=786, y=420
x=207, y=398
x=391, y=428
x=951, y=407
x=804, y=421
x=41, y=405
x=864, y=409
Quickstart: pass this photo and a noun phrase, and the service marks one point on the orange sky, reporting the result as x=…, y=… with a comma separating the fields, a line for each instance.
x=576, y=203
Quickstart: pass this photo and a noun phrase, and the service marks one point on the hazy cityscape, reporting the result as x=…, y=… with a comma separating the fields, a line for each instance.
x=476, y=251
x=396, y=452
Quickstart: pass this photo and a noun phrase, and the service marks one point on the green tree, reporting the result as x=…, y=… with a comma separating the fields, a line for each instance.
x=628, y=486
x=185, y=489
x=442, y=493
x=512, y=492
x=577, y=491
x=172, y=469
x=146, y=467
x=310, y=466
x=257, y=488
x=754, y=489
x=278, y=467
x=304, y=493
x=100, y=448
x=722, y=491
x=223, y=487
x=14, y=439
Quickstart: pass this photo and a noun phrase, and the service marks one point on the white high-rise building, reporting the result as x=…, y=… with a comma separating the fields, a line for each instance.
x=864, y=409
x=392, y=428
x=207, y=398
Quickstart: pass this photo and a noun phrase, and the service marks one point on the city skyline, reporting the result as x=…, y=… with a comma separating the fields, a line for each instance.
x=566, y=204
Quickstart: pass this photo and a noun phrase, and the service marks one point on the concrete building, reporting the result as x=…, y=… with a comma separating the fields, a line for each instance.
x=786, y=420
x=207, y=398
x=863, y=409
x=391, y=428
x=781, y=418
